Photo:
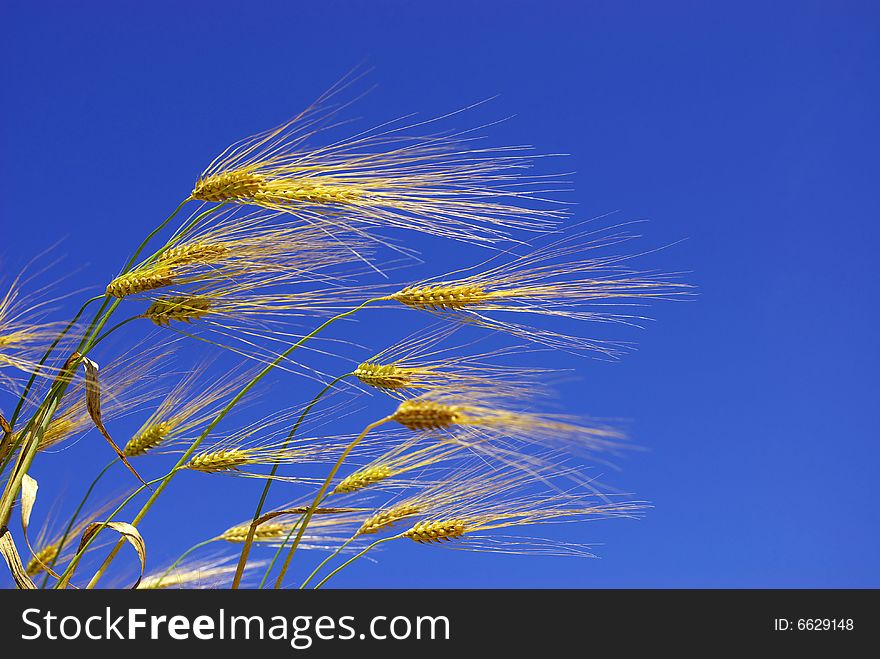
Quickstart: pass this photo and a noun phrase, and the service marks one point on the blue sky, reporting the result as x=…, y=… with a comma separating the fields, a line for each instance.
x=747, y=129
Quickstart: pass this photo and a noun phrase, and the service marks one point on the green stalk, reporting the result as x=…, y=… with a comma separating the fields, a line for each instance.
x=9, y=451
x=73, y=520
x=68, y=572
x=250, y=385
x=113, y=329
x=355, y=557
x=48, y=352
x=245, y=550
x=189, y=551
x=320, y=495
x=327, y=560
x=25, y=457
x=154, y=233
x=278, y=552
x=58, y=388
x=45, y=412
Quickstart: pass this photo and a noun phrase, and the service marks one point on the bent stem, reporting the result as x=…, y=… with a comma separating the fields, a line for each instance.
x=188, y=453
x=9, y=450
x=355, y=557
x=47, y=408
x=327, y=560
x=245, y=550
x=278, y=551
x=320, y=496
x=73, y=519
x=49, y=350
x=117, y=326
x=26, y=455
x=189, y=551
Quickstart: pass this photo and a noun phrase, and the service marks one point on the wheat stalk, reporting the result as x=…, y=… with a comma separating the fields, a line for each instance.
x=290, y=225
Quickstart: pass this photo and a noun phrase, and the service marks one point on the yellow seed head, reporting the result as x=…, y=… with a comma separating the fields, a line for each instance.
x=263, y=532
x=387, y=376
x=436, y=531
x=184, y=308
x=237, y=184
x=148, y=439
x=59, y=428
x=196, y=253
x=42, y=558
x=386, y=518
x=284, y=191
x=363, y=478
x=14, y=338
x=426, y=415
x=140, y=281
x=216, y=461
x=441, y=297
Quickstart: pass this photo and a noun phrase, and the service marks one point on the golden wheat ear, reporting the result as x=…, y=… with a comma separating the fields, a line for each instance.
x=569, y=279
x=394, y=175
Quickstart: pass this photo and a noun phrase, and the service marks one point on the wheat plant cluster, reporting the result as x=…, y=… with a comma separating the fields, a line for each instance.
x=283, y=235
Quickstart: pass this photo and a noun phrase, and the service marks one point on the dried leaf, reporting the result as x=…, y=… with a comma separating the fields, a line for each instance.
x=6, y=440
x=131, y=535
x=5, y=427
x=93, y=404
x=13, y=560
x=29, y=489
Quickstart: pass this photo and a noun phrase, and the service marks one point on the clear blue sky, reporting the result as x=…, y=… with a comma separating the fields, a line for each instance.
x=748, y=128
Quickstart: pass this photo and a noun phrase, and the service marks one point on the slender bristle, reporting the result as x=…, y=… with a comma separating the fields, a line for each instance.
x=421, y=364
x=426, y=415
x=441, y=297
x=210, y=573
x=194, y=400
x=297, y=223
x=436, y=531
x=182, y=308
x=544, y=282
x=140, y=281
x=363, y=478
x=14, y=338
x=24, y=334
x=59, y=428
x=393, y=175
